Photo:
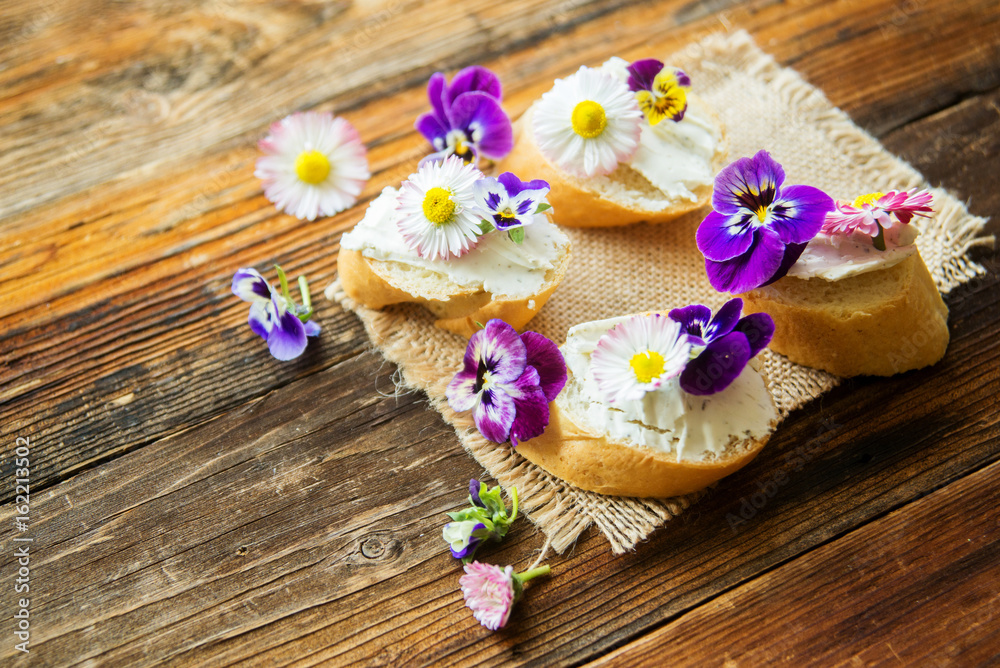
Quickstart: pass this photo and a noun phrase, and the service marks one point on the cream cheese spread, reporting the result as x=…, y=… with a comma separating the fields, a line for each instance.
x=496, y=265
x=666, y=419
x=837, y=256
x=674, y=157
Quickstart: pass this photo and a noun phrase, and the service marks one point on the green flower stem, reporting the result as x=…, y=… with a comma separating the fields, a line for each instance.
x=534, y=573
x=284, y=283
x=879, y=239
x=513, y=497
x=304, y=290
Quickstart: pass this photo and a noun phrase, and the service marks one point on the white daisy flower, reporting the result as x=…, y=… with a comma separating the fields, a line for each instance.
x=588, y=123
x=638, y=355
x=438, y=217
x=313, y=164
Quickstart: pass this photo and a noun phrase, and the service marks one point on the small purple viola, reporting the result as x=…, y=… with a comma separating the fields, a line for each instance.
x=759, y=227
x=509, y=204
x=273, y=315
x=486, y=518
x=508, y=381
x=721, y=345
x=466, y=117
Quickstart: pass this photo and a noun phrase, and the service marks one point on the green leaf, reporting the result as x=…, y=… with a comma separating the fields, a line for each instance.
x=304, y=291
x=516, y=234
x=485, y=226
x=284, y=283
x=544, y=206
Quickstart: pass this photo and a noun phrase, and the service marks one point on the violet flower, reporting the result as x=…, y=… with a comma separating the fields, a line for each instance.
x=491, y=592
x=660, y=91
x=509, y=204
x=486, y=519
x=273, y=315
x=508, y=381
x=466, y=118
x=759, y=227
x=721, y=345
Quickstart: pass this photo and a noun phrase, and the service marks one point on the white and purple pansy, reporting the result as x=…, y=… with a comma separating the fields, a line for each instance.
x=721, y=346
x=273, y=315
x=461, y=537
x=759, y=227
x=508, y=380
x=509, y=204
x=660, y=91
x=466, y=117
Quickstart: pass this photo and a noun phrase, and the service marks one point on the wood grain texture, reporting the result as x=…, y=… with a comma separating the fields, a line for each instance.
x=198, y=503
x=110, y=344
x=907, y=588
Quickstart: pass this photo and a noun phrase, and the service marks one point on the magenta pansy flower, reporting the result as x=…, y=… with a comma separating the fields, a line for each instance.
x=759, y=226
x=873, y=213
x=491, y=592
x=507, y=381
x=466, y=117
x=722, y=345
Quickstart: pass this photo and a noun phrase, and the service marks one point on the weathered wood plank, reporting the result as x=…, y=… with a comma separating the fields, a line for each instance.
x=917, y=587
x=102, y=362
x=243, y=539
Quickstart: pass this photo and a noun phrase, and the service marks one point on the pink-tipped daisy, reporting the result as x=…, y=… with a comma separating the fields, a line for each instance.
x=638, y=355
x=588, y=123
x=438, y=217
x=313, y=164
x=869, y=213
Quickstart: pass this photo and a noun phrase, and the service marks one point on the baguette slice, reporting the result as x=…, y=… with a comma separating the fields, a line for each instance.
x=378, y=283
x=878, y=323
x=591, y=458
x=621, y=198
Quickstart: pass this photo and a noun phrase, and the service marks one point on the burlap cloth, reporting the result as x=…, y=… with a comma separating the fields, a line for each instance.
x=648, y=267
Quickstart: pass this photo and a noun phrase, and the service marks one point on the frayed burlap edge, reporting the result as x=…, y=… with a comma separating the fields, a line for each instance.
x=562, y=511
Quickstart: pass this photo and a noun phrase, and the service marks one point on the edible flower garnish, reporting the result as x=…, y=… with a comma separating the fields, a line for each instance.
x=661, y=91
x=313, y=164
x=437, y=207
x=874, y=213
x=486, y=518
x=721, y=346
x=759, y=227
x=491, y=592
x=588, y=123
x=466, y=118
x=273, y=315
x=508, y=381
x=638, y=355
x=509, y=204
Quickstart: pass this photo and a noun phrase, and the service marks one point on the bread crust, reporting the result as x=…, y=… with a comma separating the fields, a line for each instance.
x=578, y=206
x=884, y=333
x=368, y=282
x=595, y=463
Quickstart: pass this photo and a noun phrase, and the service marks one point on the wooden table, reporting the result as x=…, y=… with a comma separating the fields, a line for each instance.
x=195, y=501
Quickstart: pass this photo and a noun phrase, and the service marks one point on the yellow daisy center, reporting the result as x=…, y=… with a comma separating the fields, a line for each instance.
x=438, y=206
x=870, y=198
x=589, y=119
x=312, y=167
x=646, y=365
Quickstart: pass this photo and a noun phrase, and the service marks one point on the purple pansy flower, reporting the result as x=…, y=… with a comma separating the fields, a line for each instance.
x=507, y=203
x=508, y=381
x=721, y=345
x=461, y=539
x=273, y=315
x=466, y=118
x=486, y=518
x=661, y=91
x=759, y=227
